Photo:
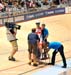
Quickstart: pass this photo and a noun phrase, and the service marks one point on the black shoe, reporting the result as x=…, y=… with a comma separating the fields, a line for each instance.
x=35, y=64
x=64, y=66
x=29, y=63
x=11, y=58
x=50, y=64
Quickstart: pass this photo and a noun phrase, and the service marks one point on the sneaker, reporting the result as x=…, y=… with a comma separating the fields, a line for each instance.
x=50, y=64
x=29, y=63
x=44, y=58
x=35, y=64
x=11, y=58
x=64, y=66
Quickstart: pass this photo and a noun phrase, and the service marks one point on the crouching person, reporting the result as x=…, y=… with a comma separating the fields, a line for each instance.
x=58, y=47
x=33, y=40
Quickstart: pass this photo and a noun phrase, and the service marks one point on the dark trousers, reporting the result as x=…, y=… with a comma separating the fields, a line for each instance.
x=61, y=51
x=32, y=48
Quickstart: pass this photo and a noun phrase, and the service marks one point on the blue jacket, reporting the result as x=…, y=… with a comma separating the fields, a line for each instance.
x=32, y=38
x=54, y=45
x=45, y=33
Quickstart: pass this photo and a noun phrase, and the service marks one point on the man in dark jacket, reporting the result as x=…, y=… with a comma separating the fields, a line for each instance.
x=33, y=40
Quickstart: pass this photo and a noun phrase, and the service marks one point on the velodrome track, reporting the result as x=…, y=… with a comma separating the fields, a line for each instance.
x=59, y=30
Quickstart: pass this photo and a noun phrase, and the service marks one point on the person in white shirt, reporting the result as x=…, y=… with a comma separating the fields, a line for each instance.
x=11, y=36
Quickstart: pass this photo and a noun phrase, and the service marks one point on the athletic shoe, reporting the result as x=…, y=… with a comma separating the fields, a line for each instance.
x=29, y=63
x=11, y=58
x=44, y=58
x=35, y=64
x=64, y=66
x=50, y=64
